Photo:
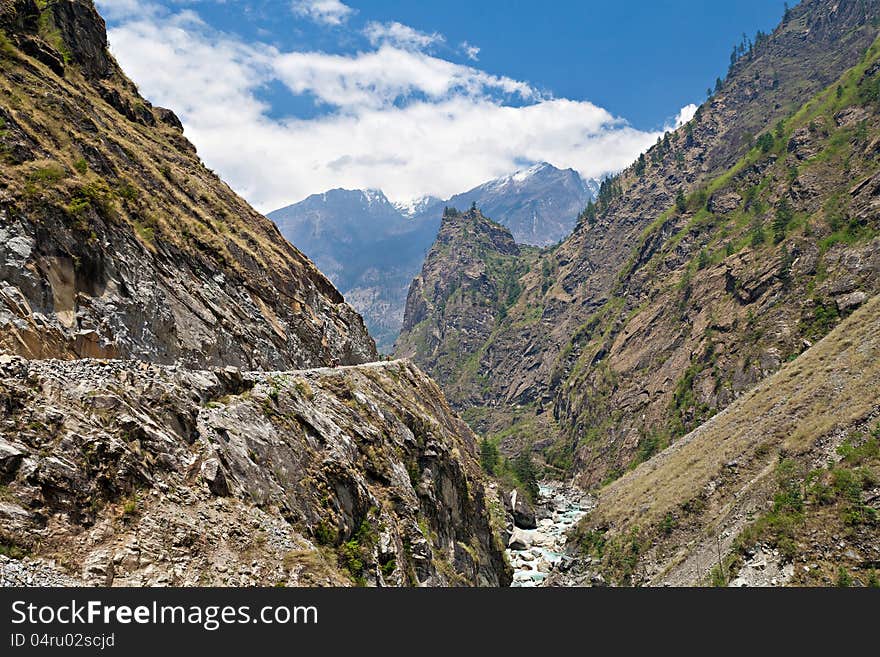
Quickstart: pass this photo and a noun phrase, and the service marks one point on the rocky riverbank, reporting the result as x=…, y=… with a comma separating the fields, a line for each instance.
x=535, y=553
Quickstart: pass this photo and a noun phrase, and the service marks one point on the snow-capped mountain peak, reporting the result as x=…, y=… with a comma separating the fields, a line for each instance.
x=412, y=207
x=525, y=174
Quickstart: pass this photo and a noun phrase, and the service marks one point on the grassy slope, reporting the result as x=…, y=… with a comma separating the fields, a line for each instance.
x=830, y=388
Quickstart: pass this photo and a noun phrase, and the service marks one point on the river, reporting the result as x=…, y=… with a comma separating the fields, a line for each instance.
x=558, y=508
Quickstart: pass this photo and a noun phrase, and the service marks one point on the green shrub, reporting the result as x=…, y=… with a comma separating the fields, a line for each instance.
x=325, y=534
x=717, y=576
x=668, y=524
x=49, y=174
x=12, y=551
x=765, y=142
x=129, y=507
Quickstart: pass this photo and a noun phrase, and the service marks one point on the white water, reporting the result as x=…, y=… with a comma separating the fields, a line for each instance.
x=558, y=509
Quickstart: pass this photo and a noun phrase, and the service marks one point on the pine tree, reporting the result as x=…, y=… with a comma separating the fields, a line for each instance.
x=525, y=472
x=758, y=237
x=780, y=130
x=703, y=259
x=783, y=217
x=589, y=213
x=488, y=456
x=640, y=165
x=680, y=201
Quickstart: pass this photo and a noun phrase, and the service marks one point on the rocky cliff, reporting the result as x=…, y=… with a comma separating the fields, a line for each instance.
x=116, y=241
x=128, y=473
x=133, y=286
x=729, y=248
x=469, y=277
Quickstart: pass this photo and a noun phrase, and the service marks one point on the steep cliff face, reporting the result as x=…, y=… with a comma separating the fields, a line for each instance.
x=611, y=327
x=468, y=279
x=116, y=241
x=129, y=473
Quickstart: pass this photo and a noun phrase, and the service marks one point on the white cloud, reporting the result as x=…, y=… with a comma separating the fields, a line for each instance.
x=471, y=51
x=329, y=12
x=685, y=114
x=381, y=77
x=400, y=35
x=401, y=120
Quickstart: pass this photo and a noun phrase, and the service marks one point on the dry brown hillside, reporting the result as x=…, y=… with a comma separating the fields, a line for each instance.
x=792, y=466
x=115, y=239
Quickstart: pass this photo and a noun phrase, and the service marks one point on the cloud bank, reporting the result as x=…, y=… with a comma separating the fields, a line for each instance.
x=391, y=116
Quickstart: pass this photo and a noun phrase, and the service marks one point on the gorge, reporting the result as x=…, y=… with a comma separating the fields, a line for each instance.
x=682, y=390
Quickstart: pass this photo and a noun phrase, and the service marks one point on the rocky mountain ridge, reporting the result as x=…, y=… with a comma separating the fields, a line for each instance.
x=372, y=248
x=656, y=243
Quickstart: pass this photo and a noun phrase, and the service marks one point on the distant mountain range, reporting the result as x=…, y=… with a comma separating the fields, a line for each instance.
x=372, y=248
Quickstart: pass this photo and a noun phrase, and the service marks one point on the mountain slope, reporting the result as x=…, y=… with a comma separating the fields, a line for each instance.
x=792, y=464
x=371, y=249
x=613, y=325
x=117, y=241
x=127, y=473
x=454, y=305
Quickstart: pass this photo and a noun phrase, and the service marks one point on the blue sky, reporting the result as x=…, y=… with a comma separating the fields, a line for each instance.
x=285, y=98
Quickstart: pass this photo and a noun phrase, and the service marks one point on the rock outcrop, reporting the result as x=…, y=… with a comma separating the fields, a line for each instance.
x=116, y=241
x=128, y=473
x=469, y=276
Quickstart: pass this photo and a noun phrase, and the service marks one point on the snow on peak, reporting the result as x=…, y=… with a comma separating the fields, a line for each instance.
x=519, y=177
x=372, y=196
x=413, y=206
x=525, y=174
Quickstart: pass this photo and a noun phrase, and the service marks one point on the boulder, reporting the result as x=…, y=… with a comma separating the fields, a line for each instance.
x=851, y=301
x=212, y=473
x=724, y=203
x=11, y=455
x=517, y=505
x=519, y=540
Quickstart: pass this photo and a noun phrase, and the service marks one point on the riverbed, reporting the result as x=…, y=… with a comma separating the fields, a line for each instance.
x=558, y=509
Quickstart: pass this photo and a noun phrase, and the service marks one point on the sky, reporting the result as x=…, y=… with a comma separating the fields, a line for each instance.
x=287, y=98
